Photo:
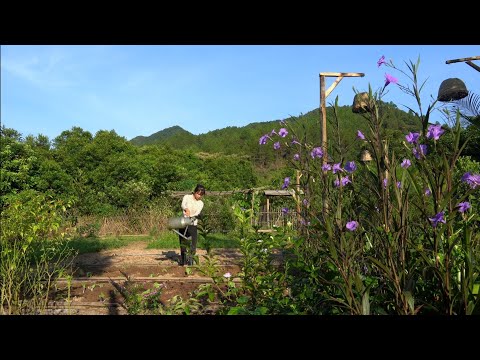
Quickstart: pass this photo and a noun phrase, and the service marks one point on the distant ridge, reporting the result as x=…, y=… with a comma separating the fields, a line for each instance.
x=162, y=135
x=244, y=140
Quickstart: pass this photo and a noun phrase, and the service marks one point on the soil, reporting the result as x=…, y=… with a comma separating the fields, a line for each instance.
x=91, y=290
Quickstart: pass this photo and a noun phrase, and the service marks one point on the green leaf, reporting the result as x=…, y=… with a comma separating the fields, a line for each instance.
x=410, y=300
x=366, y=303
x=380, y=265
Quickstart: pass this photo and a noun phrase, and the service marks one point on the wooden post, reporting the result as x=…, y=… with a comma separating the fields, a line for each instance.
x=323, y=120
x=323, y=112
x=323, y=95
x=252, y=214
x=298, y=197
x=268, y=212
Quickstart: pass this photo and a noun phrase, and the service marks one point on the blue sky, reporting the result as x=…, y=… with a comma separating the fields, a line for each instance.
x=139, y=90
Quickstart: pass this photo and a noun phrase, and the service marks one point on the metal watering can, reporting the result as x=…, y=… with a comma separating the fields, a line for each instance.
x=180, y=222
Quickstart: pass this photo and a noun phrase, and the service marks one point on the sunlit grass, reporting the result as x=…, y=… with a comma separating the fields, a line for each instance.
x=96, y=244
x=164, y=240
x=169, y=240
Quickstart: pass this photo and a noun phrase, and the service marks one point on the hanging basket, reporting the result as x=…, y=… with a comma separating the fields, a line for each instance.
x=360, y=103
x=452, y=89
x=366, y=156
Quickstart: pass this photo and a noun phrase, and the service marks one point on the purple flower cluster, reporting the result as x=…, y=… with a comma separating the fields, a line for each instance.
x=412, y=138
x=406, y=163
x=264, y=138
x=352, y=225
x=350, y=166
x=316, y=153
x=344, y=180
x=473, y=180
x=463, y=206
x=420, y=151
x=438, y=218
x=434, y=131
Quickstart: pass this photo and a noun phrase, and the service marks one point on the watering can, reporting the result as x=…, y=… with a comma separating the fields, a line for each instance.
x=180, y=222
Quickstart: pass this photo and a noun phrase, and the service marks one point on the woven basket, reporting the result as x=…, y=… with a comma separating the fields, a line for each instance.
x=452, y=89
x=366, y=156
x=360, y=103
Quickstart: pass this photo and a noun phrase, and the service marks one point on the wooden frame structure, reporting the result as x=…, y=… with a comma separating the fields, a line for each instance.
x=323, y=95
x=467, y=61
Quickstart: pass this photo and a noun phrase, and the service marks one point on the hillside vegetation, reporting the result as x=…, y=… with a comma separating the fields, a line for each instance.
x=104, y=173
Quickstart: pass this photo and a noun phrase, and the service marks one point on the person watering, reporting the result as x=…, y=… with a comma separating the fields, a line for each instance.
x=192, y=206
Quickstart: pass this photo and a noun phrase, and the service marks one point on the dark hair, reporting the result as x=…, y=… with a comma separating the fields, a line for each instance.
x=199, y=189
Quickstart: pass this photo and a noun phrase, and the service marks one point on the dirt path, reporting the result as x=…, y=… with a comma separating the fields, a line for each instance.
x=91, y=292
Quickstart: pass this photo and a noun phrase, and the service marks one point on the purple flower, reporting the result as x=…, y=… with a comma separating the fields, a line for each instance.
x=273, y=132
x=336, y=183
x=296, y=157
x=471, y=179
x=381, y=61
x=316, y=152
x=385, y=182
x=326, y=167
x=406, y=163
x=263, y=140
x=350, y=166
x=336, y=167
x=434, y=131
x=437, y=219
x=412, y=138
x=284, y=211
x=286, y=182
x=345, y=180
x=390, y=79
x=421, y=151
x=352, y=225
x=428, y=192
x=360, y=135
x=305, y=202
x=463, y=206
x=303, y=222
x=399, y=184
x=283, y=132
x=295, y=142
x=276, y=146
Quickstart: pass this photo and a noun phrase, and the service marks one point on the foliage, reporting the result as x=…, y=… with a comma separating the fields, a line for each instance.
x=141, y=301
x=33, y=251
x=398, y=235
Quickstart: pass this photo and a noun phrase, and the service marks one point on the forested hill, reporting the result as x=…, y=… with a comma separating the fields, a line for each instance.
x=244, y=140
x=166, y=135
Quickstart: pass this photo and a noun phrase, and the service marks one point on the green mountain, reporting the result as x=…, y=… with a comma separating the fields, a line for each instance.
x=341, y=128
x=165, y=135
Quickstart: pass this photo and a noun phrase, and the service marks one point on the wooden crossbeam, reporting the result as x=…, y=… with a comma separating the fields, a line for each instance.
x=462, y=59
x=467, y=61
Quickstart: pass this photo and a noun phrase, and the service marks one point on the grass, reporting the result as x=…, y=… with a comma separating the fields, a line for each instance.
x=164, y=240
x=169, y=240
x=96, y=244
